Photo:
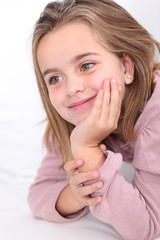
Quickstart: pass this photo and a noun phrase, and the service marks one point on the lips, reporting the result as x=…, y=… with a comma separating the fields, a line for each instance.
x=80, y=103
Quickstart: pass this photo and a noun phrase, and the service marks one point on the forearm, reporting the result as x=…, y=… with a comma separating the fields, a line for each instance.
x=66, y=202
x=93, y=158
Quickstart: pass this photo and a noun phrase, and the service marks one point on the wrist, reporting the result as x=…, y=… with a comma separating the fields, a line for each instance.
x=66, y=203
x=93, y=157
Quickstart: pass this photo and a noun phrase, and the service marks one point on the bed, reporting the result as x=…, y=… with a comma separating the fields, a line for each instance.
x=18, y=223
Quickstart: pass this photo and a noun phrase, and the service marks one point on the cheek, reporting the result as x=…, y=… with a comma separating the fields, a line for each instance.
x=54, y=99
x=97, y=79
x=107, y=71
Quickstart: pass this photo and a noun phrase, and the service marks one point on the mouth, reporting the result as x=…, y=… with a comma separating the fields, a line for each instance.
x=80, y=104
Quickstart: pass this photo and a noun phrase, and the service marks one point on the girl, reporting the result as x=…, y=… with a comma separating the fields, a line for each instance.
x=99, y=83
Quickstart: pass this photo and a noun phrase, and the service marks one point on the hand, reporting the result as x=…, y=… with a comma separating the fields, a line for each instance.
x=102, y=120
x=76, y=180
x=102, y=147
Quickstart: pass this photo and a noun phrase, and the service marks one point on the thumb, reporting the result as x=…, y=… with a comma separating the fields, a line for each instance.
x=102, y=147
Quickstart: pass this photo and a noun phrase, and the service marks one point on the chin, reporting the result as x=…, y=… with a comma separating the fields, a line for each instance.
x=80, y=119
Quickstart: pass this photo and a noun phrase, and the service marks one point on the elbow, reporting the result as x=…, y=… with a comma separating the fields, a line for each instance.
x=31, y=202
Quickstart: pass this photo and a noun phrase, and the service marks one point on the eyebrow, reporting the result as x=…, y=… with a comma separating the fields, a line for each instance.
x=75, y=59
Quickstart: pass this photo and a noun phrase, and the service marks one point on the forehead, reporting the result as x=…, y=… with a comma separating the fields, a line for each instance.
x=69, y=38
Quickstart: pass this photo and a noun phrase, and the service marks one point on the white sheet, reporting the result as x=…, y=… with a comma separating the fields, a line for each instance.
x=18, y=223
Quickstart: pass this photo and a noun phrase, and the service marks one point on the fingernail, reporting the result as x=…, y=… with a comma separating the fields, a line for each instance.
x=99, y=199
x=120, y=88
x=99, y=184
x=113, y=80
x=95, y=174
x=101, y=91
x=107, y=82
x=79, y=162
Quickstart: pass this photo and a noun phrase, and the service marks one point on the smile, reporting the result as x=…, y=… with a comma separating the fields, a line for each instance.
x=81, y=104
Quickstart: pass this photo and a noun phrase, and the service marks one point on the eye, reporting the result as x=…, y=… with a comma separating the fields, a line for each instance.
x=54, y=80
x=86, y=66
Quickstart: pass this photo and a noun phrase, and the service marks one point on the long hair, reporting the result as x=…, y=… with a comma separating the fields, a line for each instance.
x=117, y=31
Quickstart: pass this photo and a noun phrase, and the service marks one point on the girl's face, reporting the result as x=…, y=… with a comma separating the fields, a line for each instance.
x=74, y=66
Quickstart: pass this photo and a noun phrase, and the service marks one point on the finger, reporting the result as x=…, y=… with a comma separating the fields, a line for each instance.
x=80, y=178
x=96, y=110
x=102, y=147
x=115, y=102
x=71, y=166
x=89, y=189
x=106, y=100
x=88, y=201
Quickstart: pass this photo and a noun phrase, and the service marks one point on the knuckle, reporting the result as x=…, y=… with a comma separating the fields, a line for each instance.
x=98, y=185
x=101, y=126
x=91, y=124
x=71, y=181
x=87, y=201
x=113, y=125
x=94, y=187
x=80, y=191
x=91, y=175
x=66, y=167
x=92, y=201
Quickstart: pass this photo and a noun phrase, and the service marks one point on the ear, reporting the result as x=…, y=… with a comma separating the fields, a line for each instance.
x=128, y=69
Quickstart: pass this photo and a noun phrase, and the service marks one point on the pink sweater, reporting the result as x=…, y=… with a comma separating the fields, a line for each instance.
x=133, y=209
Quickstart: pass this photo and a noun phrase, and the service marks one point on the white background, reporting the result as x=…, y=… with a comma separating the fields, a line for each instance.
x=20, y=105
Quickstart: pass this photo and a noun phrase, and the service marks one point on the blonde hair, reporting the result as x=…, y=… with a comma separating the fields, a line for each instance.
x=117, y=31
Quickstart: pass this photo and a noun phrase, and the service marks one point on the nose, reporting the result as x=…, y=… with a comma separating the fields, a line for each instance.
x=74, y=84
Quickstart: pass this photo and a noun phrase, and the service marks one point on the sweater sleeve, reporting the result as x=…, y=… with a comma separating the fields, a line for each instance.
x=44, y=191
x=133, y=209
